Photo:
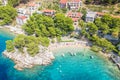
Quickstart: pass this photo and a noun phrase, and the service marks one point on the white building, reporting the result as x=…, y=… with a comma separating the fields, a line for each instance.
x=4, y=2
x=71, y=4
x=32, y=7
x=21, y=20
x=90, y=16
x=21, y=11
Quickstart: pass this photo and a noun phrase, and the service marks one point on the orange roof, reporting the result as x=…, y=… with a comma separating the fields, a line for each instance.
x=74, y=14
x=75, y=19
x=65, y=1
x=31, y=4
x=22, y=17
x=48, y=10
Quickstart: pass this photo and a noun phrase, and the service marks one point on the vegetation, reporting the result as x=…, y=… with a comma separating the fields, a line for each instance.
x=7, y=14
x=16, y=2
x=45, y=26
x=96, y=48
x=96, y=31
x=39, y=28
x=9, y=46
x=102, y=1
x=29, y=42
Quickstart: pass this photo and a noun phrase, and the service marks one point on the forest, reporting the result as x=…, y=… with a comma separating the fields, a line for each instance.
x=108, y=2
x=96, y=31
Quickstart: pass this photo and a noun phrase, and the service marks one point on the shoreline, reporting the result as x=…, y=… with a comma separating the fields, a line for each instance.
x=24, y=60
x=77, y=44
x=15, y=30
x=45, y=57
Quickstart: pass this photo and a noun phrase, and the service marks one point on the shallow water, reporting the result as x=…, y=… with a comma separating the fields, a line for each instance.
x=79, y=67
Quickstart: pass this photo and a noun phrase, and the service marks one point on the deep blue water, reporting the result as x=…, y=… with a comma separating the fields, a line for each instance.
x=79, y=67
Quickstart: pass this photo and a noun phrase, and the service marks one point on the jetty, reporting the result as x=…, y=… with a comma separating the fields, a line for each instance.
x=116, y=60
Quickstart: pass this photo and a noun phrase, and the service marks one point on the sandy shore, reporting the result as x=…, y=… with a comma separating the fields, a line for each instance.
x=76, y=44
x=81, y=44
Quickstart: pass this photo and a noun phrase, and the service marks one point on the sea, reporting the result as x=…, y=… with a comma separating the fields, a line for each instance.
x=68, y=67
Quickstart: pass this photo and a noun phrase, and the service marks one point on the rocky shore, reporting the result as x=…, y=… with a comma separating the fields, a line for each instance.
x=24, y=60
x=13, y=29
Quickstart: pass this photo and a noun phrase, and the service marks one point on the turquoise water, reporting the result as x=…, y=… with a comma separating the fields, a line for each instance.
x=79, y=67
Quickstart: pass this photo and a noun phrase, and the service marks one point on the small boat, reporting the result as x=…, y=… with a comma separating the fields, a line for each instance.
x=74, y=54
x=91, y=57
x=71, y=53
x=63, y=55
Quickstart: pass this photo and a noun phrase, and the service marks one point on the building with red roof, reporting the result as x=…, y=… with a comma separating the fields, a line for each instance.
x=32, y=7
x=70, y=4
x=21, y=20
x=48, y=12
x=76, y=16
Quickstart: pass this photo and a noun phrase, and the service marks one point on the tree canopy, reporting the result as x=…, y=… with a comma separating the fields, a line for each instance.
x=7, y=14
x=96, y=31
x=29, y=42
x=102, y=1
x=45, y=26
x=16, y=2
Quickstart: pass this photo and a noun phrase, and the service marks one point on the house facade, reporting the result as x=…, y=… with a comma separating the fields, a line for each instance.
x=63, y=3
x=76, y=16
x=32, y=7
x=21, y=20
x=71, y=4
x=21, y=11
x=90, y=16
